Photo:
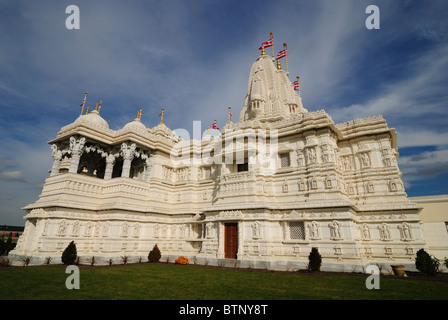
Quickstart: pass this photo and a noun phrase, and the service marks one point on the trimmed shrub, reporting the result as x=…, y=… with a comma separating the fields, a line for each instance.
x=70, y=254
x=181, y=260
x=314, y=260
x=426, y=263
x=154, y=254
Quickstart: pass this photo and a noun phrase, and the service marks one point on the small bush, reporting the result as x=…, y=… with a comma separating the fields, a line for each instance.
x=154, y=254
x=425, y=263
x=314, y=260
x=125, y=259
x=26, y=261
x=70, y=254
x=181, y=260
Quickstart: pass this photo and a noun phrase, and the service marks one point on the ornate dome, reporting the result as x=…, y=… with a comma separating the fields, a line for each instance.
x=163, y=130
x=135, y=125
x=92, y=119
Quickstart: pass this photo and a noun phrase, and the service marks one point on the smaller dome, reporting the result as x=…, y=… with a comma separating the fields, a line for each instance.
x=163, y=130
x=93, y=119
x=135, y=125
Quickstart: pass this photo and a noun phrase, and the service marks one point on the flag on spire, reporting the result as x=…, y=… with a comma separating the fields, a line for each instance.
x=281, y=54
x=99, y=105
x=296, y=84
x=266, y=44
x=83, y=102
x=139, y=114
x=214, y=126
x=230, y=115
x=161, y=116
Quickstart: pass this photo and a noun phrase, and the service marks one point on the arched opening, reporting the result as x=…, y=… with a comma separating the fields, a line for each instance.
x=92, y=164
x=137, y=169
x=118, y=167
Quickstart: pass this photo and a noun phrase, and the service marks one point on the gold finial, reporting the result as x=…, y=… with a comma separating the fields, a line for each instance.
x=272, y=41
x=230, y=115
x=279, y=67
x=87, y=111
x=262, y=51
x=208, y=131
x=96, y=107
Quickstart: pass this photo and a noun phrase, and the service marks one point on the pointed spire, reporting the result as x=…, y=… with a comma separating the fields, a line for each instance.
x=87, y=111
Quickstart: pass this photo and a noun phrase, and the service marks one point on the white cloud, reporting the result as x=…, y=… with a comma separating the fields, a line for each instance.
x=415, y=137
x=422, y=93
x=426, y=165
x=12, y=176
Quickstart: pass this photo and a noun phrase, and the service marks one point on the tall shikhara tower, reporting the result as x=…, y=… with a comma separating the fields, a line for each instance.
x=263, y=193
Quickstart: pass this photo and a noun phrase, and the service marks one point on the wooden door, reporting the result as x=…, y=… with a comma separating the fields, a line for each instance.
x=231, y=240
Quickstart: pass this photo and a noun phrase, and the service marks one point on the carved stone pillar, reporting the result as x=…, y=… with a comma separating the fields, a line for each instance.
x=57, y=156
x=76, y=148
x=148, y=168
x=110, y=161
x=127, y=152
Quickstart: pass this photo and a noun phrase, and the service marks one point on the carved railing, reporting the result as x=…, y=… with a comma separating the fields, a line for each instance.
x=241, y=183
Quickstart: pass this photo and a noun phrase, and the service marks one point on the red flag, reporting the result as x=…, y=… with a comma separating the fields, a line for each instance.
x=214, y=126
x=266, y=44
x=296, y=85
x=281, y=54
x=84, y=100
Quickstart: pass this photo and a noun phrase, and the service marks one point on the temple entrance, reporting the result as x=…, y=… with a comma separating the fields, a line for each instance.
x=230, y=240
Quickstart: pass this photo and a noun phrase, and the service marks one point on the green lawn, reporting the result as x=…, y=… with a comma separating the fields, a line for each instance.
x=177, y=282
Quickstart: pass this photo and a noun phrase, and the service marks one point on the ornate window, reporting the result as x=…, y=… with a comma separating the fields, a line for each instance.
x=285, y=160
x=297, y=230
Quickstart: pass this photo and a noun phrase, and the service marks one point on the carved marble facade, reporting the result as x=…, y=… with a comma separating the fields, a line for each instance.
x=336, y=187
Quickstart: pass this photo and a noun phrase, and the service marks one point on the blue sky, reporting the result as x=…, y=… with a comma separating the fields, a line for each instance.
x=193, y=58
